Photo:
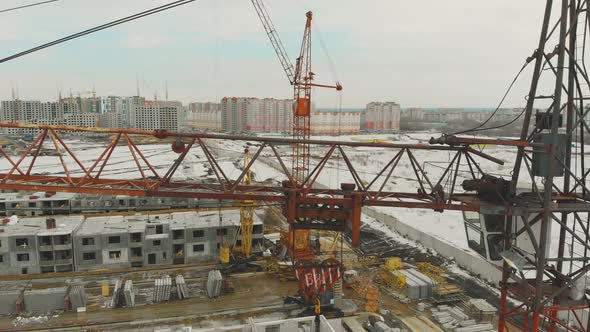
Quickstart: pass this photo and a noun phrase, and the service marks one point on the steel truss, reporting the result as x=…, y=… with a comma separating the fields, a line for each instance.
x=304, y=204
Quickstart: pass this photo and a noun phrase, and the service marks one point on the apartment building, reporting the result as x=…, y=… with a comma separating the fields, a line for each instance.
x=204, y=117
x=78, y=243
x=34, y=112
x=82, y=119
x=45, y=203
x=157, y=115
x=382, y=117
x=111, y=120
x=266, y=115
x=335, y=122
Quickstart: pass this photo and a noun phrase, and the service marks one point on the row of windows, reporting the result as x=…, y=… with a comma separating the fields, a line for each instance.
x=135, y=237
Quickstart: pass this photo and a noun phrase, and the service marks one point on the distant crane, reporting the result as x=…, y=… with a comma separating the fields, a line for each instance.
x=301, y=77
x=246, y=215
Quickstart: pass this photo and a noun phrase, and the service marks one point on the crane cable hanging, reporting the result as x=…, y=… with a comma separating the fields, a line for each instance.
x=133, y=17
x=478, y=127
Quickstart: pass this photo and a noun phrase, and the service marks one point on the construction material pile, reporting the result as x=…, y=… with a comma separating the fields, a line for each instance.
x=77, y=297
x=407, y=279
x=162, y=289
x=482, y=310
x=181, y=288
x=454, y=319
x=214, y=283
x=116, y=298
x=129, y=294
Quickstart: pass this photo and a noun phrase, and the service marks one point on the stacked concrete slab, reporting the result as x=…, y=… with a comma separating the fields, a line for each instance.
x=45, y=300
x=129, y=294
x=181, y=288
x=418, y=285
x=116, y=300
x=77, y=297
x=162, y=289
x=482, y=309
x=455, y=320
x=214, y=283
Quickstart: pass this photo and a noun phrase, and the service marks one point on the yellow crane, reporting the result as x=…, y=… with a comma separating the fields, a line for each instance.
x=246, y=215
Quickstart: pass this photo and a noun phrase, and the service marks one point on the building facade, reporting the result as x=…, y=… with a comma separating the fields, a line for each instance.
x=204, y=117
x=35, y=112
x=268, y=115
x=78, y=243
x=382, y=117
x=156, y=115
x=111, y=120
x=332, y=122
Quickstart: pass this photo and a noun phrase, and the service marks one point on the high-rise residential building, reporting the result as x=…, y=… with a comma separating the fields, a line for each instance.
x=256, y=115
x=203, y=117
x=157, y=115
x=88, y=105
x=34, y=112
x=111, y=120
x=118, y=105
x=233, y=113
x=82, y=119
x=28, y=110
x=382, y=117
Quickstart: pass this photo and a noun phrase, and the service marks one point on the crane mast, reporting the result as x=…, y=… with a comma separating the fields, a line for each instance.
x=302, y=106
x=246, y=214
x=301, y=77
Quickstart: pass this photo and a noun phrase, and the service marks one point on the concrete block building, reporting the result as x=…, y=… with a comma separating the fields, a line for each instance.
x=44, y=203
x=38, y=245
x=77, y=243
x=148, y=240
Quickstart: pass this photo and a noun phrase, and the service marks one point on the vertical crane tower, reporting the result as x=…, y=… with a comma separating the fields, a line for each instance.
x=301, y=78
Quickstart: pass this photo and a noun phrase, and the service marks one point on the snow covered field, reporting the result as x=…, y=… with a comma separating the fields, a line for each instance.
x=368, y=161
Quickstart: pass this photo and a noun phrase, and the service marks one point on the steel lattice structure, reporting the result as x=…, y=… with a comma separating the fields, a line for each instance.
x=548, y=153
x=546, y=283
x=304, y=205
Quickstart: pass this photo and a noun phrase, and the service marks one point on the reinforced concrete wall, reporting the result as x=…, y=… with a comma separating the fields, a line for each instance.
x=44, y=300
x=466, y=259
x=8, y=301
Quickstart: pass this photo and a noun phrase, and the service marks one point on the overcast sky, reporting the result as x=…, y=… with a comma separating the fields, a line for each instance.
x=422, y=53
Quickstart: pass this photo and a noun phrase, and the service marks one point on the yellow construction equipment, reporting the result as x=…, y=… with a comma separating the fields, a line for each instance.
x=246, y=215
x=393, y=263
x=224, y=253
x=433, y=272
x=393, y=279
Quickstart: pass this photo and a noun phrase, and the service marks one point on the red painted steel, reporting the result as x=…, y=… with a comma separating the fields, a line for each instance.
x=301, y=200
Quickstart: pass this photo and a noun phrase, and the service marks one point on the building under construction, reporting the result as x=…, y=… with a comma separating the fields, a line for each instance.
x=333, y=255
x=78, y=243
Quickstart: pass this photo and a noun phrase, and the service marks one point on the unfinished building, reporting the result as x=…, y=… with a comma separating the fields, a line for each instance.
x=38, y=245
x=52, y=203
x=77, y=243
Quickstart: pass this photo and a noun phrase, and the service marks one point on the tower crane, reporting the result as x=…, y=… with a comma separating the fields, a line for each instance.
x=301, y=78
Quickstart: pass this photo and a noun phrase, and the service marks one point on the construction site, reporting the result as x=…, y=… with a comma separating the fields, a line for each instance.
x=155, y=230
